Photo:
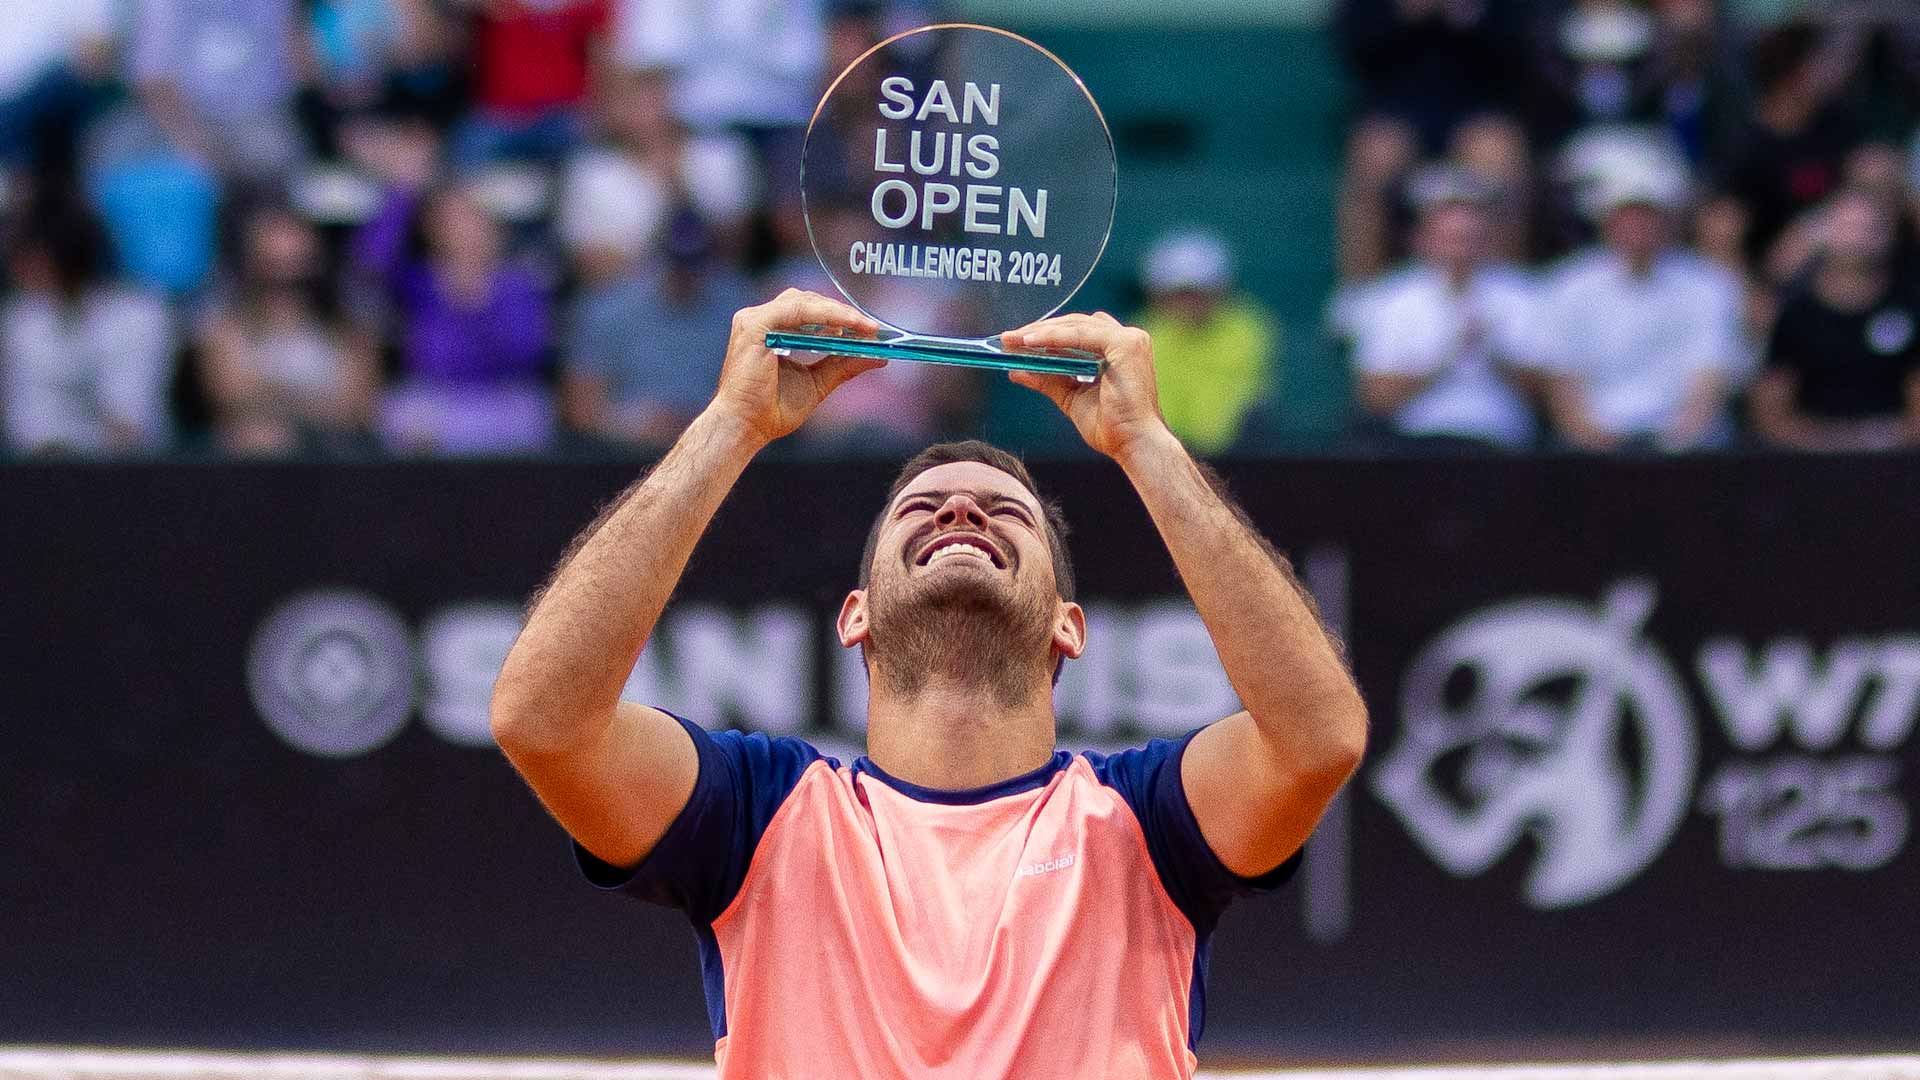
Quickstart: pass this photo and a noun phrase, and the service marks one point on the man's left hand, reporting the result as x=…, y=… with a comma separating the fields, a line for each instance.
x=1119, y=410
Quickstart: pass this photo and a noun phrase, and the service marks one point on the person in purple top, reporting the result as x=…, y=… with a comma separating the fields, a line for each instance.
x=473, y=330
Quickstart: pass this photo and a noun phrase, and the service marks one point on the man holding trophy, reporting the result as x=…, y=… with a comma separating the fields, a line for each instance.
x=965, y=900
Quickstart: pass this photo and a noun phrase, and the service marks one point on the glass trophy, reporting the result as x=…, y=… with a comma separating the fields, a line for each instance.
x=957, y=181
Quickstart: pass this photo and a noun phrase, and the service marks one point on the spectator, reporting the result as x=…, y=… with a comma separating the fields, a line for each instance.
x=1669, y=65
x=1694, y=82
x=87, y=359
x=1843, y=366
x=1790, y=155
x=1600, y=54
x=1214, y=348
x=1641, y=339
x=749, y=66
x=1379, y=155
x=218, y=78
x=397, y=57
x=1443, y=351
x=646, y=350
x=53, y=60
x=1422, y=68
x=1494, y=150
x=1873, y=169
x=283, y=373
x=354, y=42
x=533, y=63
x=1425, y=64
x=615, y=197
x=473, y=330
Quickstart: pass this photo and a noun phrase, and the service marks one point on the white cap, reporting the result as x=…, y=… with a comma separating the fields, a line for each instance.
x=1188, y=259
x=1610, y=166
x=1639, y=184
x=1606, y=35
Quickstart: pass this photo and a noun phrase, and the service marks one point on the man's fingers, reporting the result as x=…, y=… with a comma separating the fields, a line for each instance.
x=797, y=308
x=834, y=370
x=1071, y=319
x=1056, y=387
x=1071, y=332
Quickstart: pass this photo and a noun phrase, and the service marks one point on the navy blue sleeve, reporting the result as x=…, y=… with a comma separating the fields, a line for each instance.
x=1148, y=779
x=701, y=860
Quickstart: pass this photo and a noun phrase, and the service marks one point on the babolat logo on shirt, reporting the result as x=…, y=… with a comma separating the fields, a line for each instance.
x=1035, y=869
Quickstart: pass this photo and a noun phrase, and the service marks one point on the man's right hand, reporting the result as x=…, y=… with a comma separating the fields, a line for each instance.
x=773, y=395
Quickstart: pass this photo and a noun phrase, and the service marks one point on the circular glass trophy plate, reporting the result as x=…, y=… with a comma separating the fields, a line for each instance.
x=958, y=181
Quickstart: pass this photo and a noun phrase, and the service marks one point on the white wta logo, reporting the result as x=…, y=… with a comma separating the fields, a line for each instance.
x=1547, y=718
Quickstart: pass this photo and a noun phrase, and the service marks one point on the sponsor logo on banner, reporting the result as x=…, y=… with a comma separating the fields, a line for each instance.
x=1563, y=725
x=1551, y=719
x=331, y=672
x=338, y=673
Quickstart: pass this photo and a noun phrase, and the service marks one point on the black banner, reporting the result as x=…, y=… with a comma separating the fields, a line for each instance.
x=1642, y=771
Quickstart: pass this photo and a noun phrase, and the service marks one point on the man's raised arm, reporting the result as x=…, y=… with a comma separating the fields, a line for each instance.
x=613, y=773
x=1258, y=780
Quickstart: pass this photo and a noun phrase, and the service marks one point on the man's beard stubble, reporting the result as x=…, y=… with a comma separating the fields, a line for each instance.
x=961, y=630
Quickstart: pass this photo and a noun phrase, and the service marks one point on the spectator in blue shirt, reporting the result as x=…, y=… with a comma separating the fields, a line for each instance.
x=643, y=358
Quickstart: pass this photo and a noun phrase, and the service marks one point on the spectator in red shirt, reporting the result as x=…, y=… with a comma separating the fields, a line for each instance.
x=533, y=63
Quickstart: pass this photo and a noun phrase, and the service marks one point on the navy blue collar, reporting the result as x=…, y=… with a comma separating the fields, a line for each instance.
x=967, y=796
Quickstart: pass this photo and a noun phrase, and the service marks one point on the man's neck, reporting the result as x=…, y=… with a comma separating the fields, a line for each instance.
x=1457, y=275
x=1638, y=265
x=951, y=737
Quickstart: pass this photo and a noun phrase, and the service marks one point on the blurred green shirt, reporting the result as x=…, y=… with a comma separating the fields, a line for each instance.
x=1212, y=373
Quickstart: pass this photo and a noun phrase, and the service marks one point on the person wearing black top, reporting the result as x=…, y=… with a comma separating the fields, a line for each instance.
x=1843, y=366
x=1791, y=153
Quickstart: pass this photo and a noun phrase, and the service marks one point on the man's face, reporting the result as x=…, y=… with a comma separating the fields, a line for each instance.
x=1859, y=232
x=1454, y=235
x=962, y=582
x=1637, y=230
x=963, y=527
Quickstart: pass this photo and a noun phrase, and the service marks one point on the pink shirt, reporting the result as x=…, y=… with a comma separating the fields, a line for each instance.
x=854, y=925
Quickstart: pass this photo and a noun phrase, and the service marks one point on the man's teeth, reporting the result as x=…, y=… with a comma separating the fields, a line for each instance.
x=961, y=548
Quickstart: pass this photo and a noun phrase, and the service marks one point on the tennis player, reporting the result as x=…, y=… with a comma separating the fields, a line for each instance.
x=965, y=901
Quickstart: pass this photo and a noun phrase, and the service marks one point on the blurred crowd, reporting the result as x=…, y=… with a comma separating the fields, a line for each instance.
x=1610, y=225
x=269, y=227
x=408, y=226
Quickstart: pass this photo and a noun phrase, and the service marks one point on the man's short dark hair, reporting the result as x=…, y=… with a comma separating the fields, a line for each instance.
x=986, y=454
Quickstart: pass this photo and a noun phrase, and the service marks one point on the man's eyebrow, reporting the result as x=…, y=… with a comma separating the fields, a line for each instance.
x=990, y=498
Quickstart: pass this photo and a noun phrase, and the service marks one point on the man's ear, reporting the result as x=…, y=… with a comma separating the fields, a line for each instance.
x=853, y=623
x=1069, y=629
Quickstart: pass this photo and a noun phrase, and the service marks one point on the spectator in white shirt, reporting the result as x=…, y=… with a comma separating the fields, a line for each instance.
x=616, y=197
x=1442, y=353
x=218, y=78
x=87, y=360
x=1642, y=338
x=745, y=64
x=752, y=67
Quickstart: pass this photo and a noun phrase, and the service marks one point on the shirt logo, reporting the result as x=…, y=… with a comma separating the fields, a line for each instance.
x=1890, y=332
x=1048, y=867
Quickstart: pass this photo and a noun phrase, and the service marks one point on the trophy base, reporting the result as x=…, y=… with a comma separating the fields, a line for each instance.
x=1080, y=364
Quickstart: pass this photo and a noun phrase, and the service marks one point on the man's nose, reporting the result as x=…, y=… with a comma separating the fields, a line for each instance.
x=961, y=511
